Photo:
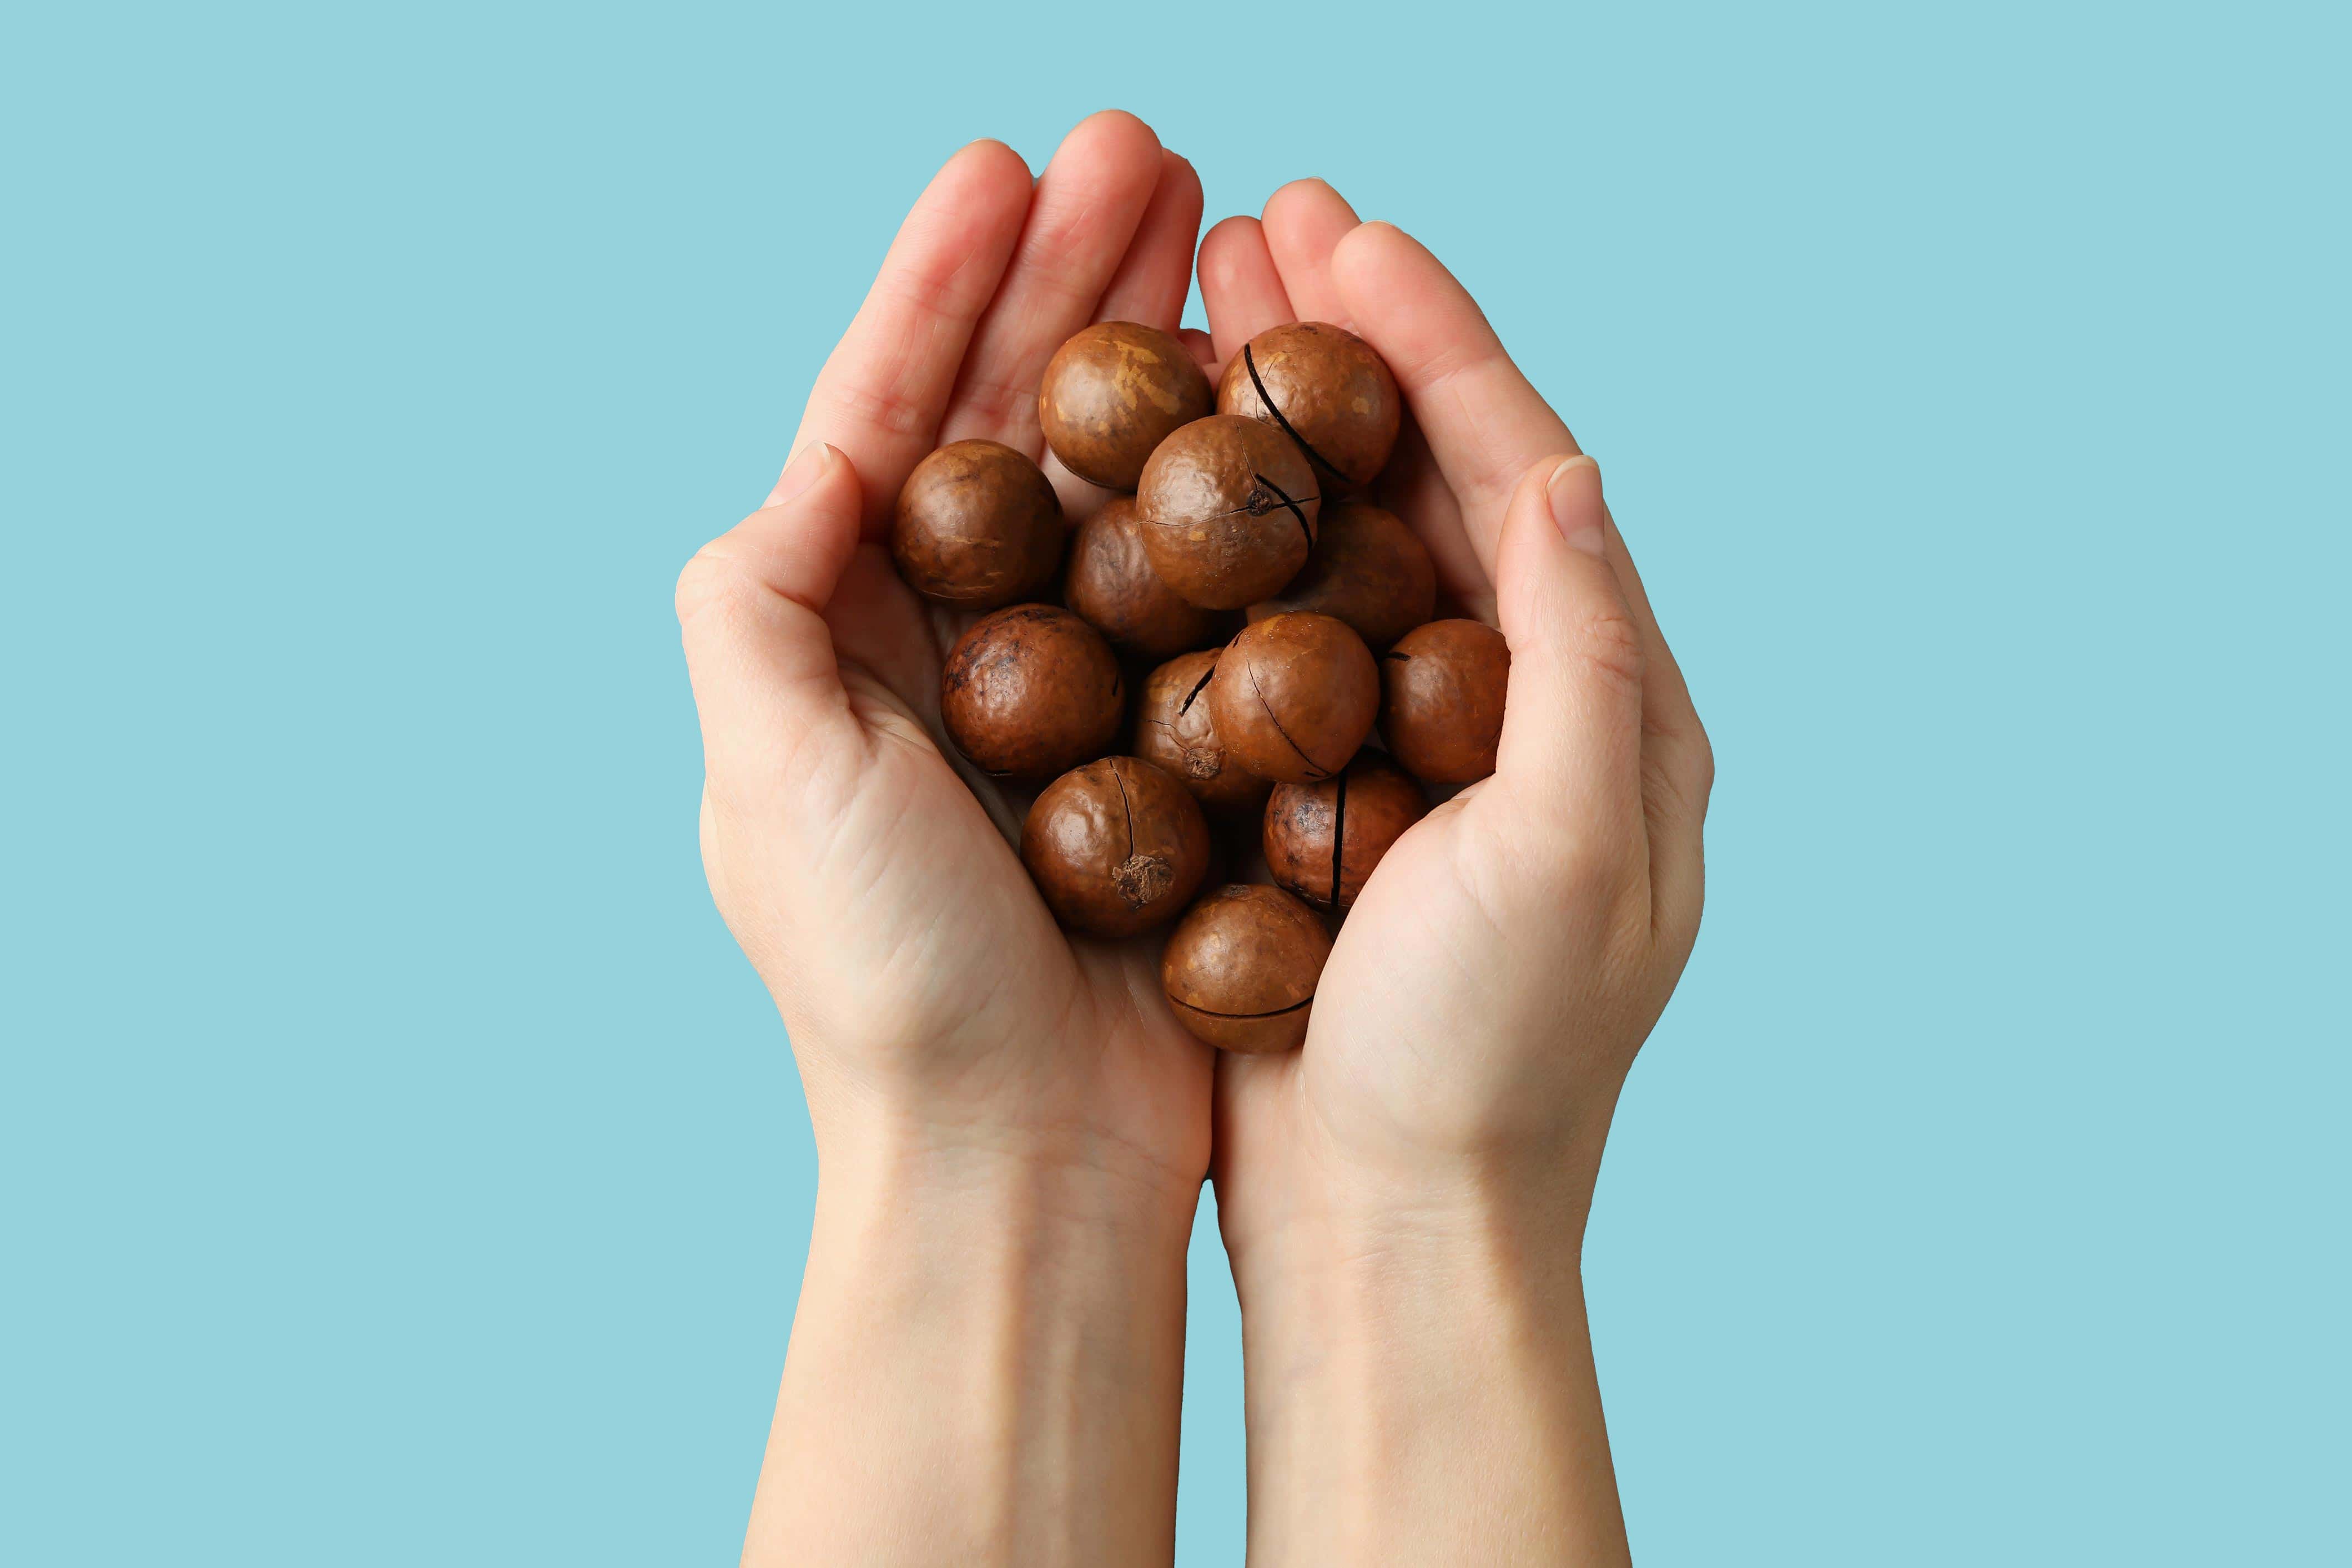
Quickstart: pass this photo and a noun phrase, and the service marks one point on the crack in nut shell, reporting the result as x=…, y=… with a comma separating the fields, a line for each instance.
x=1326, y=388
x=1116, y=847
x=1029, y=692
x=1229, y=507
x=1174, y=729
x=1112, y=394
x=976, y=524
x=1294, y=695
x=1323, y=841
x=1441, y=693
x=1241, y=968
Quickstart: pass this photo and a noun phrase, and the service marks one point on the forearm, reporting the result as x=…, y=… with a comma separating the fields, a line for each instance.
x=1421, y=1389
x=986, y=1367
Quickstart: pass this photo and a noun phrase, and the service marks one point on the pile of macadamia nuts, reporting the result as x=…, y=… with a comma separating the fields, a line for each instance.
x=1282, y=616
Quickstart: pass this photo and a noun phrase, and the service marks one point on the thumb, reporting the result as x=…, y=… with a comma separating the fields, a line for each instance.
x=1571, y=745
x=751, y=611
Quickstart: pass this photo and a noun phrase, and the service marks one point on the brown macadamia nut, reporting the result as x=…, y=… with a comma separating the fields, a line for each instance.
x=977, y=524
x=1174, y=729
x=1030, y=692
x=1441, y=691
x=1323, y=839
x=1110, y=582
x=1229, y=509
x=1113, y=393
x=1327, y=388
x=1294, y=695
x=1116, y=846
x=1368, y=569
x=1241, y=969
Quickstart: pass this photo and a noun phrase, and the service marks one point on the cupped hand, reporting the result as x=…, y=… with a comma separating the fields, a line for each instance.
x=867, y=873
x=1491, y=986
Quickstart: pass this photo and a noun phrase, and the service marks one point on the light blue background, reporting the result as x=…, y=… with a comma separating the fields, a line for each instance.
x=399, y=1165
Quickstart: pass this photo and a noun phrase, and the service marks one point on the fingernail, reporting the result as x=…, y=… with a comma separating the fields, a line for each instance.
x=806, y=467
x=1574, y=510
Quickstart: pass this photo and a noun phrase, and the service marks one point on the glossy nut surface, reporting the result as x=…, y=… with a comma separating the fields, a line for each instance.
x=1241, y=968
x=1116, y=847
x=1109, y=581
x=1442, y=689
x=1327, y=388
x=1323, y=839
x=1367, y=569
x=1113, y=393
x=1294, y=695
x=1175, y=730
x=1030, y=692
x=976, y=524
x=1229, y=508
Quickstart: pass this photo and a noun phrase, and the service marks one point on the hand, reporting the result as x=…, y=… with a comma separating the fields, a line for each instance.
x=1403, y=1199
x=1012, y=1132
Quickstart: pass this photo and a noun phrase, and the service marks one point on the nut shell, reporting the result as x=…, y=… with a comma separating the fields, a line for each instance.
x=1175, y=730
x=1241, y=969
x=1229, y=506
x=1368, y=569
x=1442, y=690
x=1110, y=582
x=1327, y=388
x=1323, y=839
x=1294, y=695
x=1030, y=692
x=1116, y=846
x=976, y=524
x=1111, y=395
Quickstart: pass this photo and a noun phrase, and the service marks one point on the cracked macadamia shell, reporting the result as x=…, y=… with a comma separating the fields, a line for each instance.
x=977, y=524
x=1323, y=839
x=1229, y=507
x=1116, y=846
x=1110, y=582
x=1113, y=393
x=1241, y=969
x=1030, y=692
x=1327, y=388
x=1368, y=569
x=1175, y=730
x=1442, y=689
x=1294, y=695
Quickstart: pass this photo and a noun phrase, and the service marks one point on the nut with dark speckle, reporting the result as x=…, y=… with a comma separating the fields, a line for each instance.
x=1116, y=846
x=977, y=524
x=1113, y=393
x=1323, y=839
x=1030, y=692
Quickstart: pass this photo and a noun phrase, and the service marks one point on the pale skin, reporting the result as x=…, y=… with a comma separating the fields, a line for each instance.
x=985, y=1364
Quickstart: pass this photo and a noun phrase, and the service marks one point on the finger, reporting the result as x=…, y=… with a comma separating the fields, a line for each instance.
x=751, y=611
x=1571, y=747
x=1086, y=210
x=1677, y=762
x=1304, y=222
x=1203, y=347
x=1150, y=284
x=880, y=398
x=1240, y=287
x=1486, y=423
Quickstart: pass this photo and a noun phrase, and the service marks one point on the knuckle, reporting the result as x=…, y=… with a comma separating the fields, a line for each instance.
x=709, y=578
x=1609, y=646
